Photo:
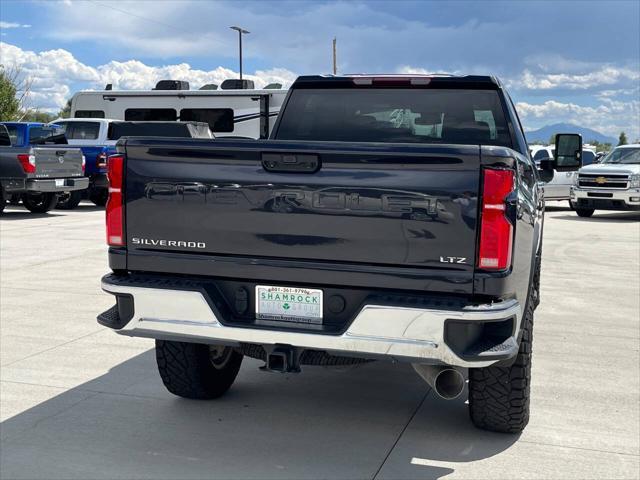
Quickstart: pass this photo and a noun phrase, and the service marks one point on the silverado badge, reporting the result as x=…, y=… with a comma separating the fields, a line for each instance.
x=601, y=180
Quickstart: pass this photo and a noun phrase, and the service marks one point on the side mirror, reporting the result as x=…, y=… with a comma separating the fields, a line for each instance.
x=568, y=152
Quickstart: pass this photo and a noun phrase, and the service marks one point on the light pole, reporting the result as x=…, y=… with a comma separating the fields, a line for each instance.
x=240, y=32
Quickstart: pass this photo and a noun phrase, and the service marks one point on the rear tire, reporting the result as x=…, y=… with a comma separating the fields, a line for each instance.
x=499, y=396
x=99, y=196
x=585, y=212
x=39, y=202
x=69, y=200
x=193, y=370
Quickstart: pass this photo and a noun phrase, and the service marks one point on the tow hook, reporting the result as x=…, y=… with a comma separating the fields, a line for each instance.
x=282, y=359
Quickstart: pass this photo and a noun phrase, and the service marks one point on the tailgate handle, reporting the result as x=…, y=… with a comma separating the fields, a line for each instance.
x=290, y=162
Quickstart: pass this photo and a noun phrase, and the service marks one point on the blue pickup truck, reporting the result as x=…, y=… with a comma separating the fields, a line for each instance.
x=90, y=135
x=97, y=138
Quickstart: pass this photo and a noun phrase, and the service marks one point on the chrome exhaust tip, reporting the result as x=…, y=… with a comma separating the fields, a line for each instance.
x=447, y=382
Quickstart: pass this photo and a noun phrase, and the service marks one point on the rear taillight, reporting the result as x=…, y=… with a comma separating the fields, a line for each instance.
x=496, y=231
x=115, y=218
x=28, y=162
x=84, y=163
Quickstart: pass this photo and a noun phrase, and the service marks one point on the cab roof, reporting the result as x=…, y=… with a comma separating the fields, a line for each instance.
x=434, y=80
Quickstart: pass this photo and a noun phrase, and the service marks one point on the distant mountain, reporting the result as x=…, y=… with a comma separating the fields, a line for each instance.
x=543, y=134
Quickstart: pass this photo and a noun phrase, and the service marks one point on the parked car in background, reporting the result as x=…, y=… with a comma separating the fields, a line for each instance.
x=559, y=188
x=392, y=218
x=97, y=138
x=39, y=166
x=612, y=184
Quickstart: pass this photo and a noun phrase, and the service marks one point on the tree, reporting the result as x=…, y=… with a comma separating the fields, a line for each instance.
x=601, y=147
x=622, y=139
x=9, y=105
x=66, y=110
x=14, y=93
x=552, y=139
x=37, y=116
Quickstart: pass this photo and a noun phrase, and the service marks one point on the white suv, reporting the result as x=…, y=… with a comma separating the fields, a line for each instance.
x=613, y=184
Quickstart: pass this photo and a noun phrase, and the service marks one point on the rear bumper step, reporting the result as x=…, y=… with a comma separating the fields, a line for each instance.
x=469, y=336
x=57, y=185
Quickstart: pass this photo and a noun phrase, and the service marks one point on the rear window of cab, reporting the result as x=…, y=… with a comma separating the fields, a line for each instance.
x=444, y=116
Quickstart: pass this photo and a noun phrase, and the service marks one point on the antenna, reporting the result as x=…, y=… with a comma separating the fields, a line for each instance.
x=335, y=57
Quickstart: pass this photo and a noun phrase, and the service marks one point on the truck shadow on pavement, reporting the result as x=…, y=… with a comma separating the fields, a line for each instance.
x=610, y=217
x=21, y=214
x=376, y=421
x=12, y=212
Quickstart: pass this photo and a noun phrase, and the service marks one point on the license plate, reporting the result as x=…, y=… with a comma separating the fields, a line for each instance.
x=59, y=182
x=289, y=304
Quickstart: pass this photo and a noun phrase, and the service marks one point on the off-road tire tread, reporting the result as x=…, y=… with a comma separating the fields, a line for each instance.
x=499, y=396
x=186, y=370
x=536, y=282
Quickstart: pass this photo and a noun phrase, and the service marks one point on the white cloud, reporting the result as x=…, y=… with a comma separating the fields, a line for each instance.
x=602, y=76
x=408, y=69
x=610, y=117
x=13, y=25
x=56, y=74
x=135, y=75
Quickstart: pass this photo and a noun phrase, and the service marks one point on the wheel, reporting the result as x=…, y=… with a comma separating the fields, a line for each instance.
x=69, y=200
x=99, y=196
x=39, y=202
x=193, y=370
x=499, y=396
x=585, y=212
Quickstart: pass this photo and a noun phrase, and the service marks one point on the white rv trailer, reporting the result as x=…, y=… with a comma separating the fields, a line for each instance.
x=229, y=113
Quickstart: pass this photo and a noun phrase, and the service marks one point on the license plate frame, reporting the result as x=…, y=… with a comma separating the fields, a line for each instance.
x=289, y=304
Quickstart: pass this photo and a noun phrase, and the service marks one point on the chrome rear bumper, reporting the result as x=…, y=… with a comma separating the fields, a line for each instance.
x=57, y=185
x=398, y=333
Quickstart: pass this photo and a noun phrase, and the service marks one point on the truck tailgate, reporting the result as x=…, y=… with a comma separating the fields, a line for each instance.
x=58, y=162
x=372, y=205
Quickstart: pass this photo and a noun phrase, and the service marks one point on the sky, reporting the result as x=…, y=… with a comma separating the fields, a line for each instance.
x=572, y=61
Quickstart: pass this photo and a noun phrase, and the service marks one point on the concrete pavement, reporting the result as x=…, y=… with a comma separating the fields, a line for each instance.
x=79, y=401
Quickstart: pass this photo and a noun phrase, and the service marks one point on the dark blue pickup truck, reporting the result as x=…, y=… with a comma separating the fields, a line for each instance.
x=389, y=218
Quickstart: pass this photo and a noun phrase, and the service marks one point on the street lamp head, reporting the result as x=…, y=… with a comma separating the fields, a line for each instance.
x=239, y=30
